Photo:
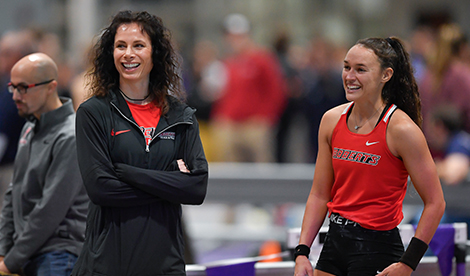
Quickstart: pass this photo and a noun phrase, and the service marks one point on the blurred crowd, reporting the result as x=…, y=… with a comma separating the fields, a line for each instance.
x=232, y=91
x=253, y=101
x=250, y=97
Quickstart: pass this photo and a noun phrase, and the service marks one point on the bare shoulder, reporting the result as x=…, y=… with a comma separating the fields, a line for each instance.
x=330, y=120
x=403, y=133
x=402, y=125
x=333, y=115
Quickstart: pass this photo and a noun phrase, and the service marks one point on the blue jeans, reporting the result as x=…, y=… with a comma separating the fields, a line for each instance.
x=55, y=263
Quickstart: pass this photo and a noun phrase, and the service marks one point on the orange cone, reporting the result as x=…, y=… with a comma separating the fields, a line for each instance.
x=269, y=248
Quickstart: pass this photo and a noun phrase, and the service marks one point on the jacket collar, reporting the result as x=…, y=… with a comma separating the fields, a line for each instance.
x=178, y=111
x=53, y=117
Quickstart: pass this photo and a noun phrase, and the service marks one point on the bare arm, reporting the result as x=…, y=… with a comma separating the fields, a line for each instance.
x=320, y=193
x=406, y=141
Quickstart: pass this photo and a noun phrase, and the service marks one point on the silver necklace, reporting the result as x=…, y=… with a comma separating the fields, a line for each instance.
x=356, y=127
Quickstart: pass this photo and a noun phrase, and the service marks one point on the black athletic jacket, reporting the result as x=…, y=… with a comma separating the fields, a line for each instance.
x=136, y=192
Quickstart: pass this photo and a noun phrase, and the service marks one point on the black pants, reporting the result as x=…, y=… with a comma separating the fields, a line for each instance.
x=351, y=250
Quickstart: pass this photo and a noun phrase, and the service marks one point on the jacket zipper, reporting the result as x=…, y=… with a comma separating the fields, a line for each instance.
x=147, y=146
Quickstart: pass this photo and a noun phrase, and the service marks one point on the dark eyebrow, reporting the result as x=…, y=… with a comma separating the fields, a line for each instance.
x=133, y=42
x=359, y=64
x=120, y=41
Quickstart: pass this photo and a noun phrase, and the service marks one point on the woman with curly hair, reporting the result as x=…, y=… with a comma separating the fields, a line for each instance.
x=367, y=150
x=139, y=152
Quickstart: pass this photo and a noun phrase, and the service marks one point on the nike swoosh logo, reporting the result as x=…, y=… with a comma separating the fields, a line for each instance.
x=371, y=143
x=119, y=132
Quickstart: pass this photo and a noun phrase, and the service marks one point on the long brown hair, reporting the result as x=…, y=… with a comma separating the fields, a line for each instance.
x=164, y=78
x=401, y=89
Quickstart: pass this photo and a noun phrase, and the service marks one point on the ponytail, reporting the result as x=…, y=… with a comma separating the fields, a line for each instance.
x=401, y=89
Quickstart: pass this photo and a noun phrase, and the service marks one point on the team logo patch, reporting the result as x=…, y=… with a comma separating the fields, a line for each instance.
x=23, y=139
x=167, y=135
x=356, y=156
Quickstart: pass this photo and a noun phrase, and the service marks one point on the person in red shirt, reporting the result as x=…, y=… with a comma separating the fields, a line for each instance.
x=252, y=100
x=367, y=149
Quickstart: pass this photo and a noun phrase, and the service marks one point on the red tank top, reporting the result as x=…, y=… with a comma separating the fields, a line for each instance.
x=370, y=182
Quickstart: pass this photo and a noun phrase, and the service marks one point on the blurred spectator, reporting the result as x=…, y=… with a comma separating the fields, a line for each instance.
x=462, y=47
x=207, y=78
x=251, y=103
x=49, y=44
x=450, y=144
x=78, y=83
x=13, y=46
x=447, y=80
x=323, y=87
x=294, y=91
x=451, y=148
x=422, y=42
x=78, y=89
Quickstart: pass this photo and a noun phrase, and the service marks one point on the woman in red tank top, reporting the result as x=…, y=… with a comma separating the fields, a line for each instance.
x=364, y=159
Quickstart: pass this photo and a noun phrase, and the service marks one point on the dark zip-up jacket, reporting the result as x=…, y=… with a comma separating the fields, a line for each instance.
x=136, y=191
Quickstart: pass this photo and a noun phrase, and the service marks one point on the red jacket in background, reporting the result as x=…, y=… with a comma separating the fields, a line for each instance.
x=255, y=88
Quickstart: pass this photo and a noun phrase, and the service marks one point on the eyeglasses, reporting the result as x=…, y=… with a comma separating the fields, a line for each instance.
x=22, y=89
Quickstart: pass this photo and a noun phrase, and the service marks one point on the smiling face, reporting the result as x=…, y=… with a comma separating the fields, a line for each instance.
x=132, y=53
x=363, y=75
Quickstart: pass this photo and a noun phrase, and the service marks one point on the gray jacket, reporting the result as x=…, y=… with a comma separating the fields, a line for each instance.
x=46, y=204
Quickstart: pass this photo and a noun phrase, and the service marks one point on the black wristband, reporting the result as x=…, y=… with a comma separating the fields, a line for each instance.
x=414, y=253
x=301, y=250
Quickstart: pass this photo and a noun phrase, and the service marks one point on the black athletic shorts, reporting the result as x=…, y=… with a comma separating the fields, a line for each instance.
x=351, y=250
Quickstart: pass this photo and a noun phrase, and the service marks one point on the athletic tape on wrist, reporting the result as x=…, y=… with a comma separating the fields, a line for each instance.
x=414, y=253
x=301, y=250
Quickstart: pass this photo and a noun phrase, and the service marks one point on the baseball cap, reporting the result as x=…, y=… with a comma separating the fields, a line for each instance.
x=236, y=23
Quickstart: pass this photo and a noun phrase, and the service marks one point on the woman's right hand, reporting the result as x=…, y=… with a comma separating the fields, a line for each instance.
x=303, y=266
x=182, y=166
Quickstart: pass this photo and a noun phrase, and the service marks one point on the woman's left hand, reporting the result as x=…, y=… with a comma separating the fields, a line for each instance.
x=396, y=269
x=182, y=166
x=3, y=268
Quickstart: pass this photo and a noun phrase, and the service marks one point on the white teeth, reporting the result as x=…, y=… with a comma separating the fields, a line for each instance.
x=351, y=87
x=132, y=65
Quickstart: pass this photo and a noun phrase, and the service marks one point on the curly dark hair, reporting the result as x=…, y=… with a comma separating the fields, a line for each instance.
x=164, y=79
x=401, y=89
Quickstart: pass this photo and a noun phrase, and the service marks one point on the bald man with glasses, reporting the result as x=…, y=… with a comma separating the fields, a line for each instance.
x=42, y=223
